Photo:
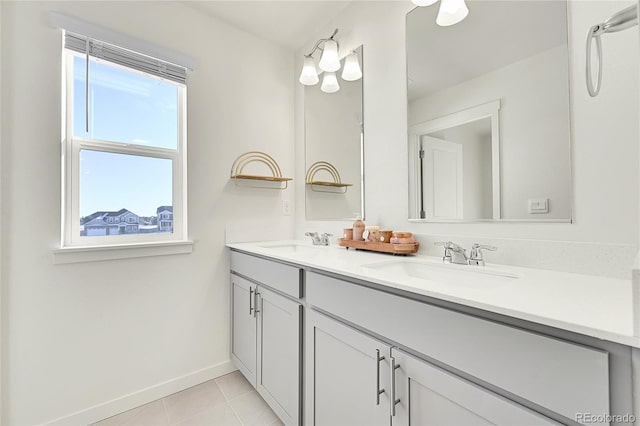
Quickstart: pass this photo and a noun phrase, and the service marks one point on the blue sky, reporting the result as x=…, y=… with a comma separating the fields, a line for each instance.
x=124, y=107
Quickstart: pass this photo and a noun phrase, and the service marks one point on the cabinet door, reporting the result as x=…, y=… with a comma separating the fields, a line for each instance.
x=243, y=335
x=279, y=354
x=429, y=395
x=343, y=375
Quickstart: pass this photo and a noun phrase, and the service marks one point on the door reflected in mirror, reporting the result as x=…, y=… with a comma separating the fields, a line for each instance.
x=334, y=143
x=488, y=114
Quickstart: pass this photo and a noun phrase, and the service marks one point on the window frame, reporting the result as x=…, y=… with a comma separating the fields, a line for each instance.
x=72, y=146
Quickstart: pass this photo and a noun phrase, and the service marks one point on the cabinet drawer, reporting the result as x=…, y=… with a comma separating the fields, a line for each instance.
x=281, y=277
x=564, y=377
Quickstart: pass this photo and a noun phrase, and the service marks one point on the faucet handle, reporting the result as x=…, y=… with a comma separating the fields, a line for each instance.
x=315, y=239
x=477, y=246
x=447, y=245
x=326, y=235
x=476, y=257
x=442, y=243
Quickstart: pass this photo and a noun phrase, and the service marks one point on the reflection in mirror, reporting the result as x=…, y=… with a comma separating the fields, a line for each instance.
x=458, y=165
x=334, y=150
x=488, y=112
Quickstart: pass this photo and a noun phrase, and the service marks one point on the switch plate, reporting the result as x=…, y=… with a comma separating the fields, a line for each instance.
x=538, y=205
x=286, y=208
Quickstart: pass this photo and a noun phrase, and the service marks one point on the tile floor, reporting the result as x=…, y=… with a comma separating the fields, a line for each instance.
x=225, y=401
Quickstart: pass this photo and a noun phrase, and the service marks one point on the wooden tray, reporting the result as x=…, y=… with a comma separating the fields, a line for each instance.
x=380, y=247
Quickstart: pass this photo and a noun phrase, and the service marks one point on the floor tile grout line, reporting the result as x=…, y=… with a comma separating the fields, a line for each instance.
x=166, y=413
x=237, y=396
x=233, y=410
x=226, y=398
x=191, y=414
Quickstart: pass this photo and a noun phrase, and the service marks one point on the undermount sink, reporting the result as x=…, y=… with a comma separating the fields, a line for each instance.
x=292, y=248
x=444, y=273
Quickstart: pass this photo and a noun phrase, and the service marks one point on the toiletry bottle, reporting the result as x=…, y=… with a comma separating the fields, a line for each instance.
x=358, y=229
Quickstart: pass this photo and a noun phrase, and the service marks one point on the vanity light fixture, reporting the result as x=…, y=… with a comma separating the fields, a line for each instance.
x=329, y=63
x=450, y=13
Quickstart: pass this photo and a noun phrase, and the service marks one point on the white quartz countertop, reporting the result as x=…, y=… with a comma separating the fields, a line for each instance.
x=594, y=306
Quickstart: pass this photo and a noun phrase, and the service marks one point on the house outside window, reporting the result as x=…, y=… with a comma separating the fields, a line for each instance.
x=124, y=148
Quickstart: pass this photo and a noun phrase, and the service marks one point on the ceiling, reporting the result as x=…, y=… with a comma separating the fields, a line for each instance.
x=287, y=23
x=494, y=35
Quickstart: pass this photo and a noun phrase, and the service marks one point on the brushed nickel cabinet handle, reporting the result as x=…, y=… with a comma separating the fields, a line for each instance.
x=378, y=390
x=255, y=303
x=392, y=393
x=251, y=301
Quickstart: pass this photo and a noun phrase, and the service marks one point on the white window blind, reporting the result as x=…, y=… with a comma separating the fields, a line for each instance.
x=124, y=57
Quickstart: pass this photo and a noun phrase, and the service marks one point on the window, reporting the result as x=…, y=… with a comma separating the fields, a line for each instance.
x=124, y=148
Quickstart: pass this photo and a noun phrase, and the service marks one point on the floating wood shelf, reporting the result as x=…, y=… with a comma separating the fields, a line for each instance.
x=327, y=167
x=332, y=184
x=266, y=178
x=258, y=157
x=402, y=249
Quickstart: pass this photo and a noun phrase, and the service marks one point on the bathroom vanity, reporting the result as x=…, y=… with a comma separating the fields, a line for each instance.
x=330, y=336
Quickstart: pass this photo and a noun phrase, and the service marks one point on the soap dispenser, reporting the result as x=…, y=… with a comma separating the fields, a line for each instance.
x=358, y=228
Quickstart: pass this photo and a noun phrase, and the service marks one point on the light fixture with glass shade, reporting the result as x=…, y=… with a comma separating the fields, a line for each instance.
x=330, y=83
x=309, y=74
x=451, y=11
x=330, y=64
x=330, y=61
x=422, y=3
x=351, y=70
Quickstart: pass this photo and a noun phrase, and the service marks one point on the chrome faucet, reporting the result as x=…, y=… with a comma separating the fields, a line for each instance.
x=453, y=253
x=319, y=240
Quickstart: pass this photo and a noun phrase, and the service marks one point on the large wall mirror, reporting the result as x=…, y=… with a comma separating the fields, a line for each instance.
x=489, y=114
x=334, y=143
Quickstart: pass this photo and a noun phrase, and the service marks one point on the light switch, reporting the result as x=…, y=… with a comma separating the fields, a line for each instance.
x=538, y=205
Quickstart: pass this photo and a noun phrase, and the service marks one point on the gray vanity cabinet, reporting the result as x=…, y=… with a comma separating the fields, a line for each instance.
x=243, y=340
x=345, y=378
x=428, y=395
x=267, y=331
x=453, y=367
x=279, y=354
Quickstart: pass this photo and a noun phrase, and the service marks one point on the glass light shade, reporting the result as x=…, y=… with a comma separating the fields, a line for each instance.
x=451, y=12
x=309, y=74
x=351, y=70
x=329, y=61
x=423, y=2
x=330, y=83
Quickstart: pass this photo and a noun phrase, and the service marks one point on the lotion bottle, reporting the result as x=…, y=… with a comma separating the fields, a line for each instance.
x=358, y=229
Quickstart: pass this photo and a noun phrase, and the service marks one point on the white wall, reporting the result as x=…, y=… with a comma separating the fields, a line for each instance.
x=604, y=236
x=534, y=128
x=79, y=335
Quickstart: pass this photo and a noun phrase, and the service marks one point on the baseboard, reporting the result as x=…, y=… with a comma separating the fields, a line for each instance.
x=143, y=396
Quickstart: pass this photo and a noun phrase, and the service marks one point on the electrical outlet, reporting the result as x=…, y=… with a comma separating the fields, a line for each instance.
x=286, y=208
x=538, y=205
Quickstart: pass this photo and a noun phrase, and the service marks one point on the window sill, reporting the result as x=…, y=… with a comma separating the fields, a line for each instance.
x=124, y=251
